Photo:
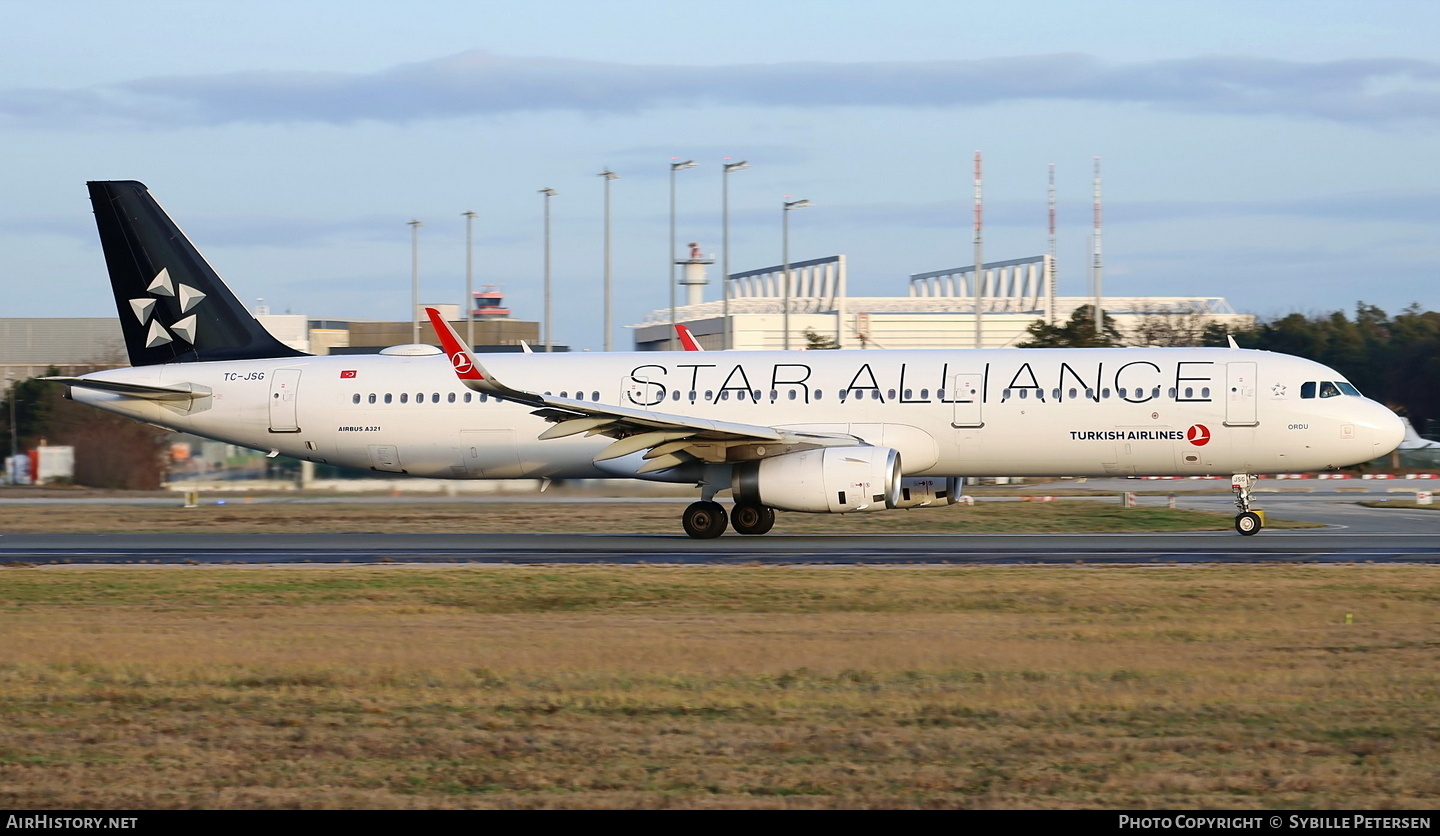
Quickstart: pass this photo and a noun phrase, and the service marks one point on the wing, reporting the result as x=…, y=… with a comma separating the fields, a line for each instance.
x=668, y=439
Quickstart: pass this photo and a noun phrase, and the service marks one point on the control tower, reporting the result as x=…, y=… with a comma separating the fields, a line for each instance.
x=693, y=277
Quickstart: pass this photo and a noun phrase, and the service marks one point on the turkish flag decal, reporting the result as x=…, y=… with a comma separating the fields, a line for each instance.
x=347, y=373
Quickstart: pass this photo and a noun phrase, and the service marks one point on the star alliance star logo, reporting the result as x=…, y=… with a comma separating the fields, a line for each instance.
x=144, y=308
x=1278, y=390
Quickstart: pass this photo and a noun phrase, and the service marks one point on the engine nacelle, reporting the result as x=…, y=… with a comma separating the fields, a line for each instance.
x=929, y=491
x=828, y=480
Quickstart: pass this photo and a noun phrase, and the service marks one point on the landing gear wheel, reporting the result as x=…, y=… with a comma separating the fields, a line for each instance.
x=752, y=518
x=704, y=520
x=1248, y=523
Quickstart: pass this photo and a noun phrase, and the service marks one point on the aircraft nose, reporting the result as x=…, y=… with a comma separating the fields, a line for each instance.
x=1389, y=432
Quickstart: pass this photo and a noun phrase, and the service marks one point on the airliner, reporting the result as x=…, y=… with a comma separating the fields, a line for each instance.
x=826, y=432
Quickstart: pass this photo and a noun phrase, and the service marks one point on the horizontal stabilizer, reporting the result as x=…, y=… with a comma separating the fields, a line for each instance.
x=179, y=392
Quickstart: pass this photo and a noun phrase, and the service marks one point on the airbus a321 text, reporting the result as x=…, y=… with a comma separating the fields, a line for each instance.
x=817, y=431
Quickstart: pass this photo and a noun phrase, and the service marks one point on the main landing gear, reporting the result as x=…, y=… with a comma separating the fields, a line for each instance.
x=707, y=519
x=1247, y=522
x=752, y=518
x=704, y=520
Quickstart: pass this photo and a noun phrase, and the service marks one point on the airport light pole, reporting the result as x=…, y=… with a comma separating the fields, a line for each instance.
x=785, y=250
x=549, y=341
x=469, y=281
x=608, y=175
x=415, y=280
x=674, y=167
x=725, y=247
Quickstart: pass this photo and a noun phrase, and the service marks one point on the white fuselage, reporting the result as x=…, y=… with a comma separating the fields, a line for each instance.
x=1053, y=412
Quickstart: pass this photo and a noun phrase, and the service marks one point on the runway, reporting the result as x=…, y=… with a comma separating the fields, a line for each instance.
x=1354, y=534
x=891, y=549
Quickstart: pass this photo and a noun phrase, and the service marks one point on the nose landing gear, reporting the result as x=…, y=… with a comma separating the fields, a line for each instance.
x=1247, y=522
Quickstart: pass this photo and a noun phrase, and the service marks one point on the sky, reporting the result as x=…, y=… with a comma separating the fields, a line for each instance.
x=1282, y=155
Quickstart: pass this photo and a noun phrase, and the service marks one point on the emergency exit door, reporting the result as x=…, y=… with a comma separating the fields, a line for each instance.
x=967, y=398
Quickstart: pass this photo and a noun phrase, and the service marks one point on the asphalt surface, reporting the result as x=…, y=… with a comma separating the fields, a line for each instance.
x=1353, y=534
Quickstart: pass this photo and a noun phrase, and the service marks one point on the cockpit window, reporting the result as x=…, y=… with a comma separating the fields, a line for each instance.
x=1328, y=389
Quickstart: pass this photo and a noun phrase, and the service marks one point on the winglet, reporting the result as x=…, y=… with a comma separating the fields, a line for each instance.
x=1231, y=340
x=687, y=339
x=466, y=368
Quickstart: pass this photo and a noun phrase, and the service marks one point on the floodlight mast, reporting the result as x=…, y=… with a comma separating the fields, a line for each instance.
x=608, y=175
x=549, y=338
x=674, y=167
x=785, y=250
x=414, y=280
x=469, y=280
x=726, y=168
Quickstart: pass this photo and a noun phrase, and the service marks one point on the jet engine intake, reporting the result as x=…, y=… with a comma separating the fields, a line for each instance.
x=827, y=480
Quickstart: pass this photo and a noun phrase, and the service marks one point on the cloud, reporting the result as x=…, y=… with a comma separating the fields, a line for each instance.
x=1370, y=91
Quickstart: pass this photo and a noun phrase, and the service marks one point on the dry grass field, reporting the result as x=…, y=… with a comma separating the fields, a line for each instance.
x=237, y=516
x=413, y=686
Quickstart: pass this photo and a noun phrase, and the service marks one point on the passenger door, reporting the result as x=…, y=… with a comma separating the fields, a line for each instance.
x=284, y=387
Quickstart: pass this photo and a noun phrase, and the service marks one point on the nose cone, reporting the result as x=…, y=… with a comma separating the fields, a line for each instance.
x=1389, y=431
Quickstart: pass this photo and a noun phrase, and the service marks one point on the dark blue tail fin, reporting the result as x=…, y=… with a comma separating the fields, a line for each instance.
x=173, y=307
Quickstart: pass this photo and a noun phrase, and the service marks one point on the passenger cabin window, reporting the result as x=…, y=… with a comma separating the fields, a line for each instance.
x=404, y=397
x=355, y=399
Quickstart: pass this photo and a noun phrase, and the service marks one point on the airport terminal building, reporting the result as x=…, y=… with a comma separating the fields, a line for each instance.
x=937, y=312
